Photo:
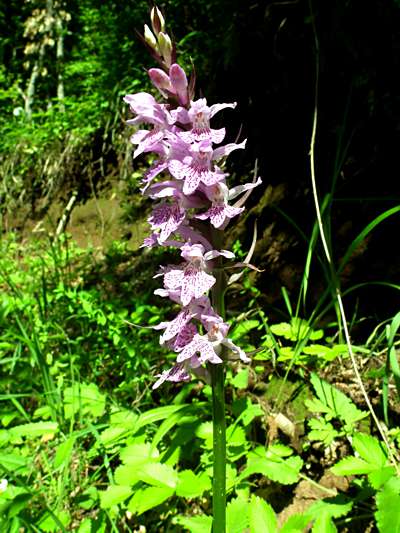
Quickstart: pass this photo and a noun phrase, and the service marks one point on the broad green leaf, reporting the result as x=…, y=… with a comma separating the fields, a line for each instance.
x=377, y=478
x=333, y=402
x=172, y=420
x=243, y=328
x=195, y=524
x=262, y=518
x=388, y=507
x=370, y=449
x=205, y=432
x=191, y=485
x=324, y=524
x=84, y=399
x=276, y=467
x=159, y=413
x=63, y=453
x=321, y=430
x=127, y=474
x=235, y=435
x=86, y=526
x=114, y=495
x=237, y=516
x=251, y=412
x=158, y=474
x=330, y=507
x=295, y=524
x=138, y=453
x=34, y=430
x=13, y=461
x=147, y=498
x=50, y=523
x=352, y=466
x=241, y=380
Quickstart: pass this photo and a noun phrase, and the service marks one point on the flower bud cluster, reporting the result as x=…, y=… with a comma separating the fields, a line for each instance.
x=191, y=199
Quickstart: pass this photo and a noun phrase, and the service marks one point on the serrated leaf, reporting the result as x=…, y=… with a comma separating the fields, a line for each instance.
x=322, y=431
x=191, y=485
x=237, y=516
x=145, y=499
x=350, y=466
x=330, y=507
x=335, y=403
x=284, y=470
x=251, y=412
x=158, y=474
x=388, y=507
x=295, y=524
x=235, y=435
x=324, y=524
x=370, y=449
x=114, y=495
x=262, y=518
x=195, y=524
x=380, y=476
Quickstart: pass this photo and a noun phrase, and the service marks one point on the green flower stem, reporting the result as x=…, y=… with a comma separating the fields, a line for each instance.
x=218, y=408
x=219, y=448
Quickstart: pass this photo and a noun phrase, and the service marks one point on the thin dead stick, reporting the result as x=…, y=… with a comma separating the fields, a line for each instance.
x=65, y=215
x=329, y=259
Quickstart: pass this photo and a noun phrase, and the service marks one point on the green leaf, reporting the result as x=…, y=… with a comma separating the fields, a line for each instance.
x=85, y=526
x=63, y=453
x=274, y=464
x=13, y=461
x=377, y=478
x=195, y=524
x=138, y=453
x=145, y=499
x=158, y=474
x=262, y=517
x=84, y=399
x=322, y=431
x=241, y=380
x=388, y=507
x=49, y=524
x=350, y=466
x=237, y=516
x=330, y=507
x=34, y=430
x=243, y=328
x=295, y=524
x=324, y=524
x=191, y=485
x=370, y=449
x=205, y=432
x=127, y=474
x=114, y=495
x=333, y=402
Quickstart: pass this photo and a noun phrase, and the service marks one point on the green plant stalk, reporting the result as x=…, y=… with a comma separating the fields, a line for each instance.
x=219, y=448
x=218, y=404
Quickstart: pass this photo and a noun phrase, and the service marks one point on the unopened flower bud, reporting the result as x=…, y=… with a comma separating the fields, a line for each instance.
x=150, y=38
x=157, y=20
x=179, y=82
x=165, y=45
x=161, y=81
